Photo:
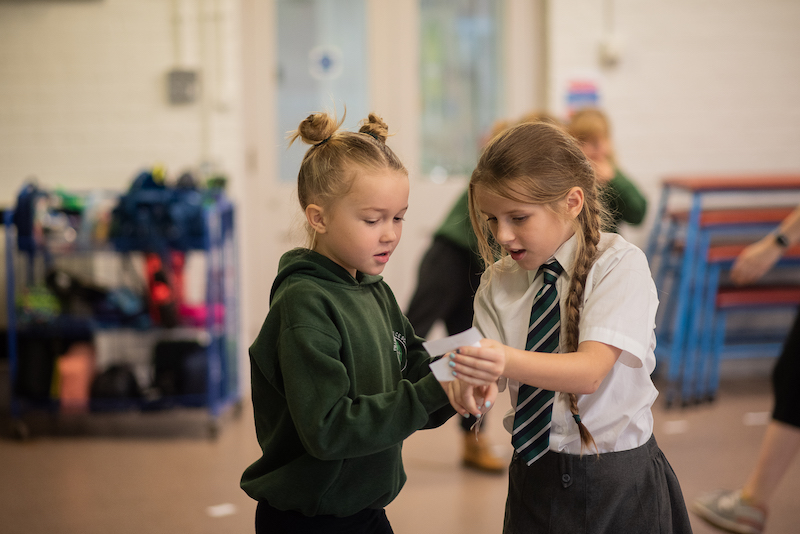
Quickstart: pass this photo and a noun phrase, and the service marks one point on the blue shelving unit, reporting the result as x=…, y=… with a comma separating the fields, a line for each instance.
x=216, y=333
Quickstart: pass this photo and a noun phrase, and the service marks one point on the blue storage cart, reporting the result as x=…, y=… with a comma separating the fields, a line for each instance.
x=202, y=345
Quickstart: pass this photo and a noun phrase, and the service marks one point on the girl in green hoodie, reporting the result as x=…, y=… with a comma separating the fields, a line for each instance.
x=339, y=379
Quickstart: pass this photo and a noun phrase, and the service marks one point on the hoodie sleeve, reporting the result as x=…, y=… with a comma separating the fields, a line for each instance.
x=418, y=369
x=332, y=425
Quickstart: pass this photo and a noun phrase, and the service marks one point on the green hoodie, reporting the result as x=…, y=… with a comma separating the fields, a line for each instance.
x=339, y=380
x=457, y=227
x=624, y=201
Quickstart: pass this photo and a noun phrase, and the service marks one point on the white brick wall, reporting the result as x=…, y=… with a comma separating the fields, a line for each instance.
x=83, y=95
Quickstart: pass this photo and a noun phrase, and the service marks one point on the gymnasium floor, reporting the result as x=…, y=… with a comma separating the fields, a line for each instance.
x=160, y=473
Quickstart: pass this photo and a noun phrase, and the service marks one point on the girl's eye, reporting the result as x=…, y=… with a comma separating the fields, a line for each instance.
x=520, y=219
x=399, y=219
x=491, y=219
x=370, y=222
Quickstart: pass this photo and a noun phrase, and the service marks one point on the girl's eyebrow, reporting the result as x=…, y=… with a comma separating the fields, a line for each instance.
x=382, y=210
x=511, y=213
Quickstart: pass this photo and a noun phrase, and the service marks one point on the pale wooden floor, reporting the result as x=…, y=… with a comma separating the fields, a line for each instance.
x=159, y=473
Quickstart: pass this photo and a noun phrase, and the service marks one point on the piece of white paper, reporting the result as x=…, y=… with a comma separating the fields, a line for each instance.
x=442, y=371
x=449, y=343
x=441, y=368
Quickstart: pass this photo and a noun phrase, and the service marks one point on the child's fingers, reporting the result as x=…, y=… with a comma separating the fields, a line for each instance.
x=468, y=400
x=453, y=390
x=484, y=357
x=470, y=360
x=474, y=379
x=478, y=353
x=474, y=371
x=489, y=393
x=459, y=408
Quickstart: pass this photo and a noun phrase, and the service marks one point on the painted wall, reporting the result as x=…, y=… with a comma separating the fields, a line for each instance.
x=83, y=90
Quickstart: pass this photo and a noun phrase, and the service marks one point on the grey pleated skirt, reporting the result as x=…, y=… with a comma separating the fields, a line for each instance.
x=634, y=491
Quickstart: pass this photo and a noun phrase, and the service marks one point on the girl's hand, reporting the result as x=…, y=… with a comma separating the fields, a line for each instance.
x=455, y=391
x=479, y=366
x=477, y=400
x=755, y=261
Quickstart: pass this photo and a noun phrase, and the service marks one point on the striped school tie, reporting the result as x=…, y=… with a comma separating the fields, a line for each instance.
x=531, y=436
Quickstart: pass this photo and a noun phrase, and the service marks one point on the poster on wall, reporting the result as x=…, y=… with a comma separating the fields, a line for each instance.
x=579, y=90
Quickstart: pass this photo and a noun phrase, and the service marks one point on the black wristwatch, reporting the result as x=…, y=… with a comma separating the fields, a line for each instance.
x=781, y=240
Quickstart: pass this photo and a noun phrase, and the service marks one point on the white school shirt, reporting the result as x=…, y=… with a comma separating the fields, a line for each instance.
x=619, y=309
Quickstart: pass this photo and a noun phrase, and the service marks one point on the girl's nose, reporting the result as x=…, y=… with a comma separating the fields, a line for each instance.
x=503, y=235
x=389, y=233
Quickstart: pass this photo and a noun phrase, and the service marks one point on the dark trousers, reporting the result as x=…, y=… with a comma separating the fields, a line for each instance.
x=448, y=277
x=629, y=491
x=270, y=520
x=786, y=379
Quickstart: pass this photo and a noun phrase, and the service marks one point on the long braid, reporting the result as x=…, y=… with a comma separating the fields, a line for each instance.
x=589, y=221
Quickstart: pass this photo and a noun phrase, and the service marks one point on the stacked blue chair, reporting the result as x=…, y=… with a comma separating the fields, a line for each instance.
x=678, y=251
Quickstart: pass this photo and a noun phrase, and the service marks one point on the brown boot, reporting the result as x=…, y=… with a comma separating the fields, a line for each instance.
x=478, y=454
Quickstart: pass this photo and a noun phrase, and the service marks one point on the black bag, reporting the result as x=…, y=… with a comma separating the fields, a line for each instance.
x=116, y=382
x=36, y=358
x=181, y=367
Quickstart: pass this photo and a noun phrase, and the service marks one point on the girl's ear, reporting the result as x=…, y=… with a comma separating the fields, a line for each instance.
x=315, y=215
x=575, y=202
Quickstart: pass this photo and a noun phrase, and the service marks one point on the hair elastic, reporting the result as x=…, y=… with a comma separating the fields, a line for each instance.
x=373, y=136
x=577, y=418
x=323, y=141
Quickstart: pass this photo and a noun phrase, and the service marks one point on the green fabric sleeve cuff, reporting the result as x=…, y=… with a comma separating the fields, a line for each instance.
x=430, y=393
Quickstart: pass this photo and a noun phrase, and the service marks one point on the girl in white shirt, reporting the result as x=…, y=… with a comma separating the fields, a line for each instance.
x=589, y=461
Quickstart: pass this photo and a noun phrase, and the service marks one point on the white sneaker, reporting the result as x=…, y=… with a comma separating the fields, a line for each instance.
x=726, y=510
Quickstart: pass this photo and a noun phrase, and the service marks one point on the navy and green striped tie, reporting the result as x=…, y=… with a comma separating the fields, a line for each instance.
x=531, y=436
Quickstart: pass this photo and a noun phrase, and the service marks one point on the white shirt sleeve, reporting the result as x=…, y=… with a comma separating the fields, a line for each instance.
x=620, y=306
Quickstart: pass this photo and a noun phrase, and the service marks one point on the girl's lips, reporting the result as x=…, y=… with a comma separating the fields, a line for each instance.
x=516, y=255
x=383, y=257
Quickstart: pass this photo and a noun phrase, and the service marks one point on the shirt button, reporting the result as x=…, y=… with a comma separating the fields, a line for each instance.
x=565, y=479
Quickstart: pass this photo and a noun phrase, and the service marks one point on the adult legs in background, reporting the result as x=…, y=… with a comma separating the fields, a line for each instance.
x=447, y=280
x=745, y=510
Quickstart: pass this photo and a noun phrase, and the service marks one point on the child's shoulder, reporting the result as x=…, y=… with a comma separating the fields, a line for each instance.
x=616, y=250
x=614, y=243
x=297, y=295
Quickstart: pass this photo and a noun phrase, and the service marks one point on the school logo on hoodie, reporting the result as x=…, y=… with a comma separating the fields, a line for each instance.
x=400, y=350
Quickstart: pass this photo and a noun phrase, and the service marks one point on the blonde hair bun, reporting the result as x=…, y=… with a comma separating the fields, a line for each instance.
x=317, y=128
x=373, y=125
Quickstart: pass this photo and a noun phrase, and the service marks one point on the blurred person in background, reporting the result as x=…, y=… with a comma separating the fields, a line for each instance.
x=623, y=200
